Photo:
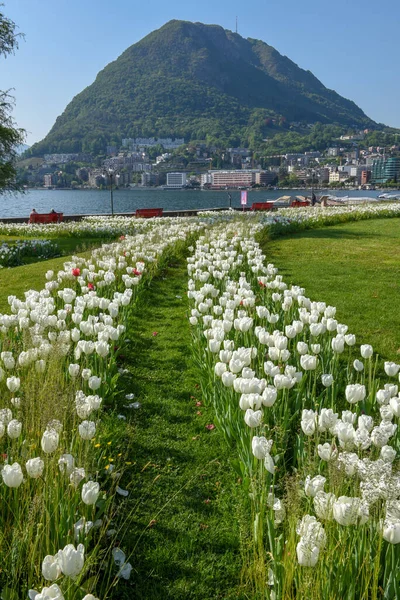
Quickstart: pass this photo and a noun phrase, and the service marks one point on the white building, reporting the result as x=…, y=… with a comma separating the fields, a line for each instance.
x=176, y=180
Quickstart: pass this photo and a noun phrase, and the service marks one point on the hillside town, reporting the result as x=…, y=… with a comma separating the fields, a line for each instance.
x=172, y=164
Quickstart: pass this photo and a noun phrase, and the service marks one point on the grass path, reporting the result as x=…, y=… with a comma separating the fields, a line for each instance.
x=181, y=482
x=355, y=267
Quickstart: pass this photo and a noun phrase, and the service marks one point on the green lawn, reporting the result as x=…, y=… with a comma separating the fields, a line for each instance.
x=355, y=267
x=181, y=480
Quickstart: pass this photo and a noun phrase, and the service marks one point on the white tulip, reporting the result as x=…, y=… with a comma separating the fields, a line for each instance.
x=90, y=492
x=34, y=468
x=50, y=439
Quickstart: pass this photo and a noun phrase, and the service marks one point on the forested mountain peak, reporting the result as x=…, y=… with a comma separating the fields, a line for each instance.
x=196, y=81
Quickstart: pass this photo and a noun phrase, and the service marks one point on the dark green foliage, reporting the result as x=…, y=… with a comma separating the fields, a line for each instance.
x=198, y=82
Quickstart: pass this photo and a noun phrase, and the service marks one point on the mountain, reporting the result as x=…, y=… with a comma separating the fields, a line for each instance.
x=21, y=148
x=193, y=80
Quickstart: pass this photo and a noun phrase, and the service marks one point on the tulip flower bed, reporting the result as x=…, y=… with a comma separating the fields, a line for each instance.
x=310, y=428
x=313, y=426
x=24, y=250
x=59, y=503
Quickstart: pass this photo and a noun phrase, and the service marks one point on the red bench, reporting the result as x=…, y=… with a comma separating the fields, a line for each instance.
x=46, y=218
x=262, y=206
x=147, y=213
x=299, y=203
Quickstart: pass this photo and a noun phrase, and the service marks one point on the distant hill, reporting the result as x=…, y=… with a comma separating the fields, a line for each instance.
x=196, y=81
x=20, y=149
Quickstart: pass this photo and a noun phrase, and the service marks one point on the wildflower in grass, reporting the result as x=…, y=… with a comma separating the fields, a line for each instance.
x=350, y=339
x=71, y=559
x=346, y=435
x=82, y=527
x=327, y=452
x=308, y=422
x=51, y=569
x=366, y=350
x=311, y=531
x=12, y=475
x=355, y=393
x=362, y=438
x=391, y=369
x=90, y=492
x=77, y=475
x=34, y=467
x=323, y=505
x=253, y=418
x=94, y=383
x=228, y=378
x=388, y=454
x=220, y=368
x=86, y=374
x=307, y=555
x=314, y=485
x=5, y=415
x=358, y=365
x=8, y=360
x=73, y=370
x=125, y=571
x=380, y=436
x=365, y=422
x=391, y=532
x=308, y=362
x=338, y=344
x=261, y=447
x=40, y=366
x=210, y=427
x=327, y=420
x=350, y=511
x=394, y=404
x=302, y=348
x=118, y=556
x=48, y=593
x=49, y=442
x=269, y=396
x=14, y=429
x=13, y=384
x=87, y=430
x=66, y=463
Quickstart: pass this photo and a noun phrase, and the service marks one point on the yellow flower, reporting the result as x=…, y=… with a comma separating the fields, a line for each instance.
x=97, y=445
x=108, y=443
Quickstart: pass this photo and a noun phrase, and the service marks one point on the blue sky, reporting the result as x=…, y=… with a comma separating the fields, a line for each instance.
x=350, y=45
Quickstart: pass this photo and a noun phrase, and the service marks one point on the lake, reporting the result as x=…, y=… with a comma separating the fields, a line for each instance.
x=72, y=202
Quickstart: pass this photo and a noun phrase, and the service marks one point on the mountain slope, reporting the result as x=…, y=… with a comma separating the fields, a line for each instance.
x=192, y=80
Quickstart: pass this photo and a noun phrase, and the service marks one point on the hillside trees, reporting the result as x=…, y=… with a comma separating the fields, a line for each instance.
x=10, y=135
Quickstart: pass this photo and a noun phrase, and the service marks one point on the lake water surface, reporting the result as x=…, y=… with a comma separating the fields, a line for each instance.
x=72, y=202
